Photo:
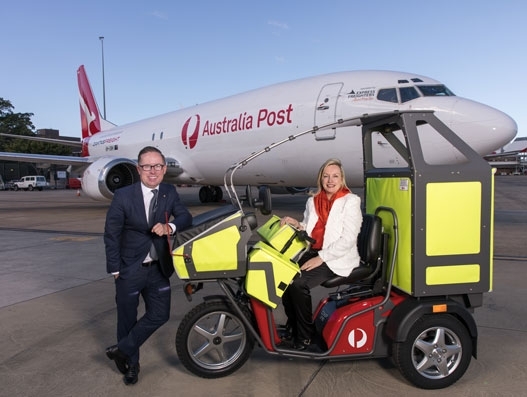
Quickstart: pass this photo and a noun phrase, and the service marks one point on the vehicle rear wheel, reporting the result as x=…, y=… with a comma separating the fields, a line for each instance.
x=30, y=188
x=436, y=353
x=15, y=188
x=212, y=340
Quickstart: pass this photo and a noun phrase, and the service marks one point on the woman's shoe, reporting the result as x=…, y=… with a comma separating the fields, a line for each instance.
x=302, y=344
x=285, y=332
x=307, y=345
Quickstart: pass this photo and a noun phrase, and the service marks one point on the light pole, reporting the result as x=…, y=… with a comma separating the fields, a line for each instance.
x=103, y=87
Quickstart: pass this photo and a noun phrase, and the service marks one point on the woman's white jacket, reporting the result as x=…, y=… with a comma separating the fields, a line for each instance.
x=339, y=249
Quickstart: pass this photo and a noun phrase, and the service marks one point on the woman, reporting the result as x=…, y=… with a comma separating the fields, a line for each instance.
x=333, y=219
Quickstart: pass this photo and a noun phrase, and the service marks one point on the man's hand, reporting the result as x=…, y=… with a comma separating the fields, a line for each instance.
x=161, y=229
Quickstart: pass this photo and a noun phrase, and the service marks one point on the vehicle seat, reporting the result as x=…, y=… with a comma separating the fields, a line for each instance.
x=369, y=244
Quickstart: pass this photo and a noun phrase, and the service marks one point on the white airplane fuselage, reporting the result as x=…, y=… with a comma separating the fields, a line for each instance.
x=203, y=141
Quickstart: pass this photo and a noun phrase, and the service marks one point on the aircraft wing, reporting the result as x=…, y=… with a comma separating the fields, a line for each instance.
x=45, y=158
x=77, y=144
x=504, y=154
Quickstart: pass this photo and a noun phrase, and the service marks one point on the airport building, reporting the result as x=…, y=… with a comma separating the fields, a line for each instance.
x=511, y=159
x=14, y=170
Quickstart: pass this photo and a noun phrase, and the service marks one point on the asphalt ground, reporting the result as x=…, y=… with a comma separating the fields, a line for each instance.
x=57, y=314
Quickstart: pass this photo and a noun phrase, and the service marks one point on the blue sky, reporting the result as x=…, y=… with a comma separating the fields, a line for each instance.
x=163, y=55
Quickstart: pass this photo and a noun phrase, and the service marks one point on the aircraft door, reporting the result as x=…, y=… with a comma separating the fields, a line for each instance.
x=326, y=110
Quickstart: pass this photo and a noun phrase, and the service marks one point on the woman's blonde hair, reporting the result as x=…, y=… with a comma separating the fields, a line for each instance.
x=321, y=173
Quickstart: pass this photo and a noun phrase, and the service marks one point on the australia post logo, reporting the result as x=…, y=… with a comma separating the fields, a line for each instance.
x=190, y=131
x=194, y=127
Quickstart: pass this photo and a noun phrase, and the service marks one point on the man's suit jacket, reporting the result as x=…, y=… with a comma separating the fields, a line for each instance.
x=127, y=235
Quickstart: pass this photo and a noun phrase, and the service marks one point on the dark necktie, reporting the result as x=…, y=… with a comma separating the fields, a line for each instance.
x=153, y=207
x=151, y=215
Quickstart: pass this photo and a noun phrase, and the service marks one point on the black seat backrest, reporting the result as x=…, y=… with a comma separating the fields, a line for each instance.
x=369, y=241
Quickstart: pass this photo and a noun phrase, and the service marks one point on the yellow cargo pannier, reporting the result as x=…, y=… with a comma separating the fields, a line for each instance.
x=219, y=251
x=284, y=238
x=269, y=273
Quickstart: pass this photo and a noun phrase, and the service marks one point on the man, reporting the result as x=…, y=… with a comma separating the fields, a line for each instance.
x=138, y=256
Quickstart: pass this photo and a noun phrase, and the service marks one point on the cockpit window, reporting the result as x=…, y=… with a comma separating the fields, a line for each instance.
x=435, y=90
x=408, y=93
x=387, y=95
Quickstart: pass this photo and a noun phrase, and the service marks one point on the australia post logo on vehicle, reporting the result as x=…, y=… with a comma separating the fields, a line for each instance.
x=195, y=127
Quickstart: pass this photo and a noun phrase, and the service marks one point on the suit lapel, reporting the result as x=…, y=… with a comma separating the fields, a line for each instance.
x=139, y=202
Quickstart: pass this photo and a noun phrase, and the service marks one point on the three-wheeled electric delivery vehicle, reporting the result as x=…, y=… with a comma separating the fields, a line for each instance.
x=426, y=249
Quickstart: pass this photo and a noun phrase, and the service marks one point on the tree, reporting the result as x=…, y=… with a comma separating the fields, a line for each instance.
x=14, y=123
x=20, y=124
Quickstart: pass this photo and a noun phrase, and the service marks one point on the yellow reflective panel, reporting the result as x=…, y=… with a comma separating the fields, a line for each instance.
x=395, y=193
x=454, y=274
x=453, y=218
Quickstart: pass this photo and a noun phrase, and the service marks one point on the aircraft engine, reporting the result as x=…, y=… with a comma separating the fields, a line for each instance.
x=103, y=177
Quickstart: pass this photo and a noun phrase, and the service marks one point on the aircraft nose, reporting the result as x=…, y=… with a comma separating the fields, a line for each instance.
x=482, y=127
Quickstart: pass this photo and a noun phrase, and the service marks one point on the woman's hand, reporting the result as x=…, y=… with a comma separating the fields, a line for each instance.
x=312, y=263
x=290, y=221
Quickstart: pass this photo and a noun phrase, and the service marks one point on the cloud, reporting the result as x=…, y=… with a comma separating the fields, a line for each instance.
x=281, y=25
x=159, y=15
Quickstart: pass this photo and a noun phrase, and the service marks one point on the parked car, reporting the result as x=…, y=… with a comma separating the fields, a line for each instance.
x=31, y=182
x=10, y=185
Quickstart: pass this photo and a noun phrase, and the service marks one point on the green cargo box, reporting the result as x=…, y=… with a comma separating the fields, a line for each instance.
x=218, y=252
x=269, y=273
x=282, y=238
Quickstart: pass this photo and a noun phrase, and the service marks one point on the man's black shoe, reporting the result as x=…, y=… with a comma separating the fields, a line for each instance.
x=132, y=375
x=113, y=353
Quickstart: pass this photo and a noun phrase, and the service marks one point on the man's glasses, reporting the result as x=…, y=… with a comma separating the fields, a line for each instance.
x=148, y=167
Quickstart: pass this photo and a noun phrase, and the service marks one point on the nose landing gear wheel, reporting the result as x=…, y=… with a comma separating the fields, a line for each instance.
x=210, y=194
x=436, y=353
x=212, y=341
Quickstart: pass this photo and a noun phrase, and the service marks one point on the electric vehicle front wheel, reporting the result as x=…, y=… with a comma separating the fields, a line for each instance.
x=212, y=340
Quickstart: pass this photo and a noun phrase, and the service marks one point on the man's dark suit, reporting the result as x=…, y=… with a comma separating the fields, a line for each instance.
x=128, y=239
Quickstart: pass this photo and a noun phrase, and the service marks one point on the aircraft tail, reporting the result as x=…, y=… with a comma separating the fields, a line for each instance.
x=91, y=120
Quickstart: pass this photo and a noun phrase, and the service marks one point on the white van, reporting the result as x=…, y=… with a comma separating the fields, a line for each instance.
x=31, y=182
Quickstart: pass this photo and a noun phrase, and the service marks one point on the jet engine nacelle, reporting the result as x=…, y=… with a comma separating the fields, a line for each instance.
x=103, y=177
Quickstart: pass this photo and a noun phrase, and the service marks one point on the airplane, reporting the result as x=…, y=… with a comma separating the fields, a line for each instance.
x=511, y=159
x=201, y=142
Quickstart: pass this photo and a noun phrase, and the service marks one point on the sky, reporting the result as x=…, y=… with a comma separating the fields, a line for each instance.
x=164, y=55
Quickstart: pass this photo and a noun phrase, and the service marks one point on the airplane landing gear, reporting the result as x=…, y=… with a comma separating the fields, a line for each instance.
x=210, y=194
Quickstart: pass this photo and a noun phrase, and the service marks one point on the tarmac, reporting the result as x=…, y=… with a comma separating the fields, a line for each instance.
x=57, y=314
